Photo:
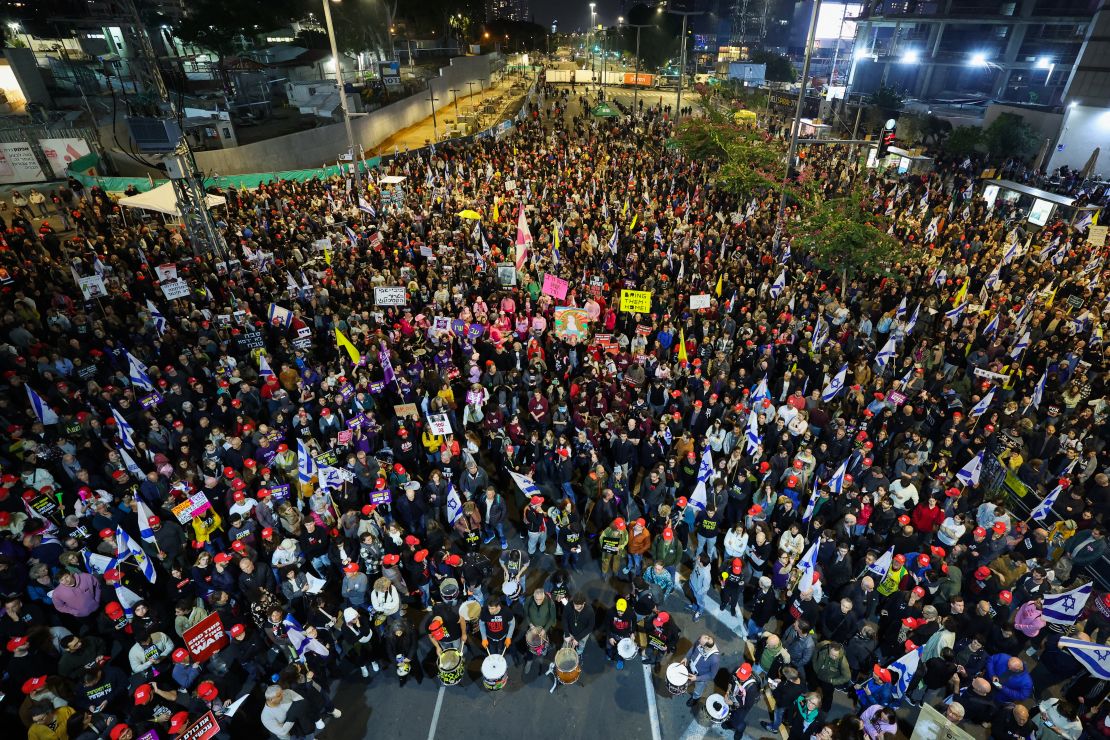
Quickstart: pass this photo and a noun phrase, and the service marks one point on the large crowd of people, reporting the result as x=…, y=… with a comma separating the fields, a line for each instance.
x=288, y=473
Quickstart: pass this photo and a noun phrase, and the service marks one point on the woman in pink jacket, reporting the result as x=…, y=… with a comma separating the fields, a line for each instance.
x=1028, y=619
x=77, y=594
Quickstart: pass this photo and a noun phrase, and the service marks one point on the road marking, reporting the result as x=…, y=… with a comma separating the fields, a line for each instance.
x=435, y=714
x=732, y=622
x=696, y=731
x=653, y=709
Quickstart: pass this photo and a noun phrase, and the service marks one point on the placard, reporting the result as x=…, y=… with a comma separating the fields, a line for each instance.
x=700, y=301
x=406, y=409
x=896, y=398
x=174, y=289
x=381, y=497
x=1075, y=301
x=166, y=272
x=321, y=244
x=506, y=273
x=19, y=164
x=280, y=492
x=389, y=295
x=92, y=287
x=473, y=398
x=996, y=377
x=249, y=339
x=344, y=437
x=635, y=301
x=303, y=343
x=571, y=324
x=86, y=371
x=151, y=401
x=1096, y=236
x=205, y=638
x=191, y=507
x=327, y=457
x=204, y=728
x=555, y=287
x=439, y=424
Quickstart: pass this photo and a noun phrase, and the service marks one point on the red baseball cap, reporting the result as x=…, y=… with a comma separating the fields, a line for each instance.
x=32, y=685
x=180, y=655
x=143, y=693
x=661, y=619
x=178, y=722
x=207, y=690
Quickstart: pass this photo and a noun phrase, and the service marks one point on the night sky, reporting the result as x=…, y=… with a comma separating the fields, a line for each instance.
x=574, y=15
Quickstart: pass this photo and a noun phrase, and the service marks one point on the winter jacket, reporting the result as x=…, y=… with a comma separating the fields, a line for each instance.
x=1015, y=686
x=831, y=670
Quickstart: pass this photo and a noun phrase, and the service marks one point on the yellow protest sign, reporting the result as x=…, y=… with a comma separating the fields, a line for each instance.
x=636, y=301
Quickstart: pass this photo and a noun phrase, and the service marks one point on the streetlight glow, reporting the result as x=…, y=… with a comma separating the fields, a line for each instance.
x=1044, y=63
x=979, y=59
x=911, y=57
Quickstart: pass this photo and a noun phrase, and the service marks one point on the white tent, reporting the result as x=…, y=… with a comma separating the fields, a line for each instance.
x=163, y=199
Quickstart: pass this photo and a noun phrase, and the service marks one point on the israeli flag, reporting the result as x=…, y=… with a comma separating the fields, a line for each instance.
x=137, y=374
x=886, y=354
x=913, y=320
x=306, y=466
x=991, y=328
x=984, y=403
x=365, y=207
x=143, y=512
x=43, y=413
x=613, y=242
x=1065, y=608
x=761, y=393
x=808, y=566
x=1038, y=390
x=939, y=277
x=157, y=317
x=454, y=504
x=820, y=333
x=131, y=465
x=786, y=254
x=1020, y=347
x=969, y=473
x=882, y=566
x=264, y=369
x=127, y=599
x=278, y=316
x=832, y=390
x=778, y=285
x=706, y=473
x=1045, y=506
x=98, y=564
x=351, y=236
x=331, y=477
x=752, y=435
x=526, y=485
x=906, y=666
x=995, y=278
x=657, y=237
x=955, y=313
x=126, y=432
x=900, y=312
x=128, y=547
x=1010, y=253
x=836, y=483
x=1095, y=658
x=811, y=504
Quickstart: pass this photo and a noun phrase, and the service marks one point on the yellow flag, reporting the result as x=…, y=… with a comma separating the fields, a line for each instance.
x=720, y=284
x=556, y=237
x=327, y=257
x=496, y=215
x=682, y=346
x=634, y=217
x=1094, y=219
x=624, y=211
x=961, y=293
x=343, y=343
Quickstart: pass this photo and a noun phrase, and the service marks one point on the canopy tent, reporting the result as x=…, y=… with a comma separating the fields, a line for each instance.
x=163, y=199
x=604, y=110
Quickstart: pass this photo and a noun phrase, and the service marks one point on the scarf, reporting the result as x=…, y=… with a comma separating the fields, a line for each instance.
x=768, y=657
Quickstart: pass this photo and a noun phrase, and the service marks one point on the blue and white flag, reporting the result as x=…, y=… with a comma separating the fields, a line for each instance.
x=454, y=504
x=811, y=504
x=954, y=314
x=125, y=431
x=992, y=328
x=984, y=403
x=913, y=320
x=1020, y=347
x=808, y=566
x=820, y=333
x=526, y=485
x=969, y=473
x=886, y=354
x=278, y=316
x=900, y=312
x=994, y=279
x=129, y=547
x=1038, y=390
x=1010, y=253
x=1044, y=507
x=143, y=512
x=613, y=241
x=157, y=317
x=752, y=434
x=760, y=393
x=43, y=413
x=132, y=466
x=1095, y=658
x=836, y=483
x=351, y=236
x=98, y=564
x=365, y=207
x=657, y=237
x=939, y=277
x=778, y=285
x=906, y=666
x=126, y=598
x=706, y=473
x=786, y=254
x=832, y=390
x=264, y=370
x=1065, y=608
x=137, y=374
x=882, y=566
x=306, y=465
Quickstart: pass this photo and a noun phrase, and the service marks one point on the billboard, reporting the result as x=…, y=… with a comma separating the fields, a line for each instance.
x=18, y=164
x=834, y=20
x=60, y=152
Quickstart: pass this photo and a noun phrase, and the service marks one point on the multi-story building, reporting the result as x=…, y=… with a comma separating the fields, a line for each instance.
x=511, y=10
x=1005, y=50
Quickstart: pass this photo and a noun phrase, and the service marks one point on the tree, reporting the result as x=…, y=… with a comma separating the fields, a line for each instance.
x=847, y=236
x=1010, y=136
x=964, y=141
x=751, y=160
x=219, y=26
x=361, y=25
x=779, y=68
x=883, y=104
x=658, y=38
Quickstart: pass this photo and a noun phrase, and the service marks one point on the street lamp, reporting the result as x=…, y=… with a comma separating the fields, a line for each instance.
x=343, y=97
x=590, y=39
x=978, y=59
x=435, y=127
x=636, y=85
x=454, y=94
x=912, y=56
x=682, y=56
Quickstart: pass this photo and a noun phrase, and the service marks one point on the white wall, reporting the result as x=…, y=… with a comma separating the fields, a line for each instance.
x=1083, y=129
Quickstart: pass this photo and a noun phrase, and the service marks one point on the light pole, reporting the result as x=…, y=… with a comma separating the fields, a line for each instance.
x=342, y=96
x=432, y=100
x=797, y=120
x=471, y=84
x=454, y=95
x=682, y=55
x=636, y=85
x=590, y=42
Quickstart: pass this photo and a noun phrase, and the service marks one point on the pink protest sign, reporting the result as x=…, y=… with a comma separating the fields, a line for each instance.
x=555, y=287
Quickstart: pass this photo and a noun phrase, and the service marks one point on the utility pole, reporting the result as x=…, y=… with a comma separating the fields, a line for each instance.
x=636, y=86
x=355, y=159
x=797, y=121
x=432, y=100
x=682, y=55
x=454, y=94
x=471, y=85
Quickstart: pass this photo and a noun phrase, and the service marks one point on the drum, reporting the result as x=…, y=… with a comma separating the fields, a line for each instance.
x=677, y=678
x=567, y=666
x=451, y=667
x=537, y=643
x=716, y=709
x=509, y=589
x=627, y=649
x=495, y=672
x=470, y=611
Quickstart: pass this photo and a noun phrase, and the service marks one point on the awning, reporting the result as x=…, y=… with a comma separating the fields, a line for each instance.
x=163, y=199
x=1017, y=187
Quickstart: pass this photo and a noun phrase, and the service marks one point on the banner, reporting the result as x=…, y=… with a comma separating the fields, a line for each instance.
x=390, y=295
x=555, y=287
x=174, y=289
x=205, y=638
x=198, y=503
x=571, y=324
x=700, y=301
x=18, y=164
x=60, y=153
x=1097, y=235
x=636, y=301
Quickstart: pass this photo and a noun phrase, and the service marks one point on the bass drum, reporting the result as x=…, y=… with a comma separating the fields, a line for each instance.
x=451, y=667
x=568, y=668
x=716, y=709
x=495, y=672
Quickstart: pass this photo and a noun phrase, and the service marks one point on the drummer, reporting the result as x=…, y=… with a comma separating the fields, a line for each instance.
x=578, y=624
x=621, y=625
x=662, y=638
x=702, y=662
x=514, y=564
x=496, y=625
x=443, y=625
x=539, y=619
x=743, y=694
